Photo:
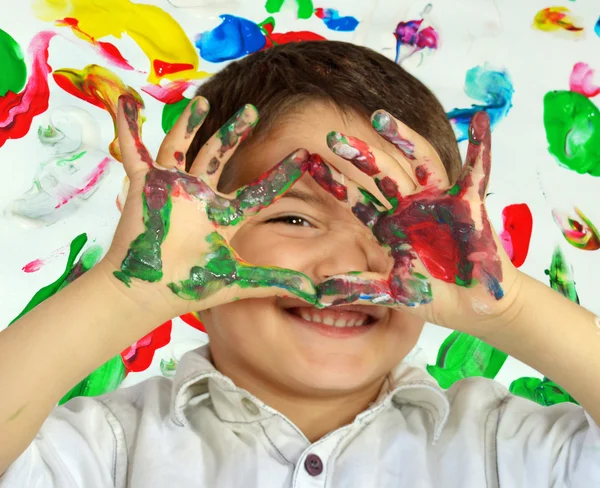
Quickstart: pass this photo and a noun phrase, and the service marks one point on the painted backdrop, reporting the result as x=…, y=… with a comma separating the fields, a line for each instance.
x=533, y=66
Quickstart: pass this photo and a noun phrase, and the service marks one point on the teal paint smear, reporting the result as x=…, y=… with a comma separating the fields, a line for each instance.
x=572, y=123
x=102, y=380
x=462, y=356
x=49, y=290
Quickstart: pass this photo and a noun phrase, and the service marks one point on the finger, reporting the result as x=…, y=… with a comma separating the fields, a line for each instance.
x=363, y=204
x=423, y=160
x=269, y=187
x=364, y=289
x=219, y=148
x=175, y=145
x=474, y=178
x=135, y=155
x=391, y=179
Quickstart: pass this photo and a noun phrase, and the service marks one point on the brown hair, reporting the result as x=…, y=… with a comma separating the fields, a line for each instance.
x=351, y=77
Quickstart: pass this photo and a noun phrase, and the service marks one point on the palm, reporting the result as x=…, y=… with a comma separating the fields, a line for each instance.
x=443, y=247
x=187, y=224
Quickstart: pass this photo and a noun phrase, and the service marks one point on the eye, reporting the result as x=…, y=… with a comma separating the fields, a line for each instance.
x=290, y=220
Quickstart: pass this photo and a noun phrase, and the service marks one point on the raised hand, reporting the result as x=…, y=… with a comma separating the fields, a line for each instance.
x=176, y=228
x=443, y=247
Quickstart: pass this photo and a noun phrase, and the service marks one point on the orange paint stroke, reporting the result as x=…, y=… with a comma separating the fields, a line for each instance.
x=100, y=87
x=169, y=50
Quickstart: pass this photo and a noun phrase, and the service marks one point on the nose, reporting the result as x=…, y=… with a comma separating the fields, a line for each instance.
x=353, y=250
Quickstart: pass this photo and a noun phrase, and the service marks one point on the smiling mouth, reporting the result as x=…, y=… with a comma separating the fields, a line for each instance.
x=338, y=318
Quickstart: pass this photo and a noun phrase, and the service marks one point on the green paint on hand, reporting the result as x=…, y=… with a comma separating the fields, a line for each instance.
x=572, y=123
x=222, y=269
x=462, y=356
x=171, y=113
x=143, y=259
x=542, y=391
x=49, y=290
x=103, y=380
x=197, y=115
x=14, y=70
x=305, y=7
x=561, y=276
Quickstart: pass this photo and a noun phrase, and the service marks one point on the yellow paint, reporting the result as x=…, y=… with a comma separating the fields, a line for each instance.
x=556, y=19
x=154, y=30
x=100, y=87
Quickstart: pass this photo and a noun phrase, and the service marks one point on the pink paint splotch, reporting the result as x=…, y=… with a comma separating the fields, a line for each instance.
x=92, y=180
x=17, y=110
x=582, y=80
x=412, y=37
x=37, y=264
x=517, y=223
x=33, y=266
x=169, y=93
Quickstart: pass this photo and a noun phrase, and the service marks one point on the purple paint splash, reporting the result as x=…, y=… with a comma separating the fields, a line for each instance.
x=412, y=37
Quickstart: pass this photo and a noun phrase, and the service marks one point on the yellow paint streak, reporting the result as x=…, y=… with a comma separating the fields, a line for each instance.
x=556, y=19
x=101, y=87
x=157, y=34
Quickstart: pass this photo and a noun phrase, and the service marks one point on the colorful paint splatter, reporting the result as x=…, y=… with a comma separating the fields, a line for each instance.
x=491, y=87
x=414, y=37
x=334, y=21
x=233, y=38
x=17, y=110
x=578, y=230
x=305, y=7
x=100, y=87
x=572, y=124
x=517, y=223
x=138, y=357
x=582, y=80
x=159, y=36
x=276, y=38
x=557, y=19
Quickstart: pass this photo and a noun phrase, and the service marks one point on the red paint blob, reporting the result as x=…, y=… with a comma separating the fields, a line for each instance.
x=422, y=174
x=33, y=266
x=517, y=223
x=191, y=319
x=18, y=110
x=286, y=37
x=178, y=156
x=138, y=356
x=162, y=68
x=67, y=85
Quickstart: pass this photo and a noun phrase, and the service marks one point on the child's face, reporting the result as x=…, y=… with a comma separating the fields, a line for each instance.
x=267, y=339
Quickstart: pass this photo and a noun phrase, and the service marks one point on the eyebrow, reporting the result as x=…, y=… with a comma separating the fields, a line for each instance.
x=310, y=198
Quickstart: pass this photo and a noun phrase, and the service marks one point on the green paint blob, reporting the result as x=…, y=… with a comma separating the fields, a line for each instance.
x=542, y=391
x=572, y=123
x=171, y=113
x=49, y=290
x=462, y=356
x=561, y=276
x=305, y=7
x=222, y=269
x=14, y=70
x=103, y=380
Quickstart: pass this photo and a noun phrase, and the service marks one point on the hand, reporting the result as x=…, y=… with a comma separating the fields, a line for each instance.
x=446, y=256
x=174, y=233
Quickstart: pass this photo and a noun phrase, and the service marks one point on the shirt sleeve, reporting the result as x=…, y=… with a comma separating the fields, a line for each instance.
x=77, y=446
x=546, y=446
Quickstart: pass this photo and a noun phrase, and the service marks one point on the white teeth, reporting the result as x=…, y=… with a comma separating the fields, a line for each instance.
x=316, y=318
x=360, y=322
x=340, y=323
x=327, y=320
x=351, y=323
x=306, y=316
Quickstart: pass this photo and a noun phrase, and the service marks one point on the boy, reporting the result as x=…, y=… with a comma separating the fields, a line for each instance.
x=355, y=238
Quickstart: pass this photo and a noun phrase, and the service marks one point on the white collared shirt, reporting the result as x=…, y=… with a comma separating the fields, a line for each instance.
x=200, y=430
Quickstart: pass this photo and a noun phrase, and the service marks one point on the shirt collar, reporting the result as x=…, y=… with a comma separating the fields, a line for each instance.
x=197, y=377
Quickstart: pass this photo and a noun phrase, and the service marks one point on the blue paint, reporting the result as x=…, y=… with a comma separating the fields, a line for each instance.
x=233, y=38
x=493, y=88
x=597, y=27
x=333, y=21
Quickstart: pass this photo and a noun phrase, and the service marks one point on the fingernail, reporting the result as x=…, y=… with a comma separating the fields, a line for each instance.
x=354, y=150
x=199, y=108
x=382, y=121
x=386, y=126
x=238, y=127
x=479, y=126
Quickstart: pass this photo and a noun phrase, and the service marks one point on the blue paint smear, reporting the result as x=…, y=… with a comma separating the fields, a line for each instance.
x=233, y=39
x=597, y=27
x=493, y=88
x=333, y=21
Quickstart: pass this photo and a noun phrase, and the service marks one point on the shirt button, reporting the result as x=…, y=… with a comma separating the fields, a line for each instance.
x=313, y=465
x=250, y=406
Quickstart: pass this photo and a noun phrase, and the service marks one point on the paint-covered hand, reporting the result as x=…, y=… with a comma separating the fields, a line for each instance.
x=446, y=256
x=175, y=228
